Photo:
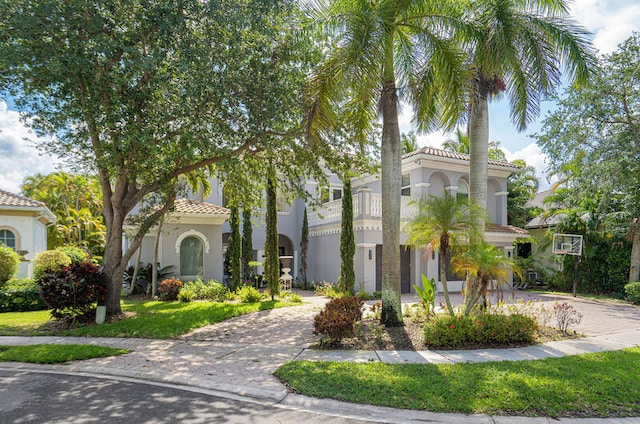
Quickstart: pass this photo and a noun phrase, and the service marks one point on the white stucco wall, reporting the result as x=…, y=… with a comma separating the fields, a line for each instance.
x=31, y=236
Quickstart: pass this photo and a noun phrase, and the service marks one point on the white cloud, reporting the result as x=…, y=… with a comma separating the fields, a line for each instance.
x=611, y=21
x=18, y=156
x=533, y=156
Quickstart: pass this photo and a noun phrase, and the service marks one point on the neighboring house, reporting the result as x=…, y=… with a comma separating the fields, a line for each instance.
x=23, y=227
x=425, y=171
x=539, y=228
x=190, y=240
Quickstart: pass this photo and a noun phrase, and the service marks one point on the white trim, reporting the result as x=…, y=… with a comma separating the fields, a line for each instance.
x=451, y=187
x=502, y=193
x=366, y=245
x=420, y=185
x=195, y=233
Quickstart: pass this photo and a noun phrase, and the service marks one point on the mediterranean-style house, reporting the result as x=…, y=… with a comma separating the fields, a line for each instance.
x=23, y=227
x=195, y=235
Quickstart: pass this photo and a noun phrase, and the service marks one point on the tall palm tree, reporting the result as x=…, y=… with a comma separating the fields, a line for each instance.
x=519, y=48
x=380, y=50
x=487, y=269
x=442, y=223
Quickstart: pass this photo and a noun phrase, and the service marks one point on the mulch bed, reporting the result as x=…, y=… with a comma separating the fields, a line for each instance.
x=371, y=335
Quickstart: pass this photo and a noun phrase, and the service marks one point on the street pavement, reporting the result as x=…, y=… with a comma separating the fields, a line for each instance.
x=236, y=358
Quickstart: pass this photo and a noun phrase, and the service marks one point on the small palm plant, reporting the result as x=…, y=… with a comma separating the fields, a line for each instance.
x=442, y=223
x=487, y=269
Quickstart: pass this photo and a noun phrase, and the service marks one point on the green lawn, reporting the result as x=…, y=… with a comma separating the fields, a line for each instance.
x=593, y=385
x=153, y=319
x=54, y=354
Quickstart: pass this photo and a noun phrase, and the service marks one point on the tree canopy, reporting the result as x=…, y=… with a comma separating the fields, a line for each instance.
x=593, y=143
x=144, y=92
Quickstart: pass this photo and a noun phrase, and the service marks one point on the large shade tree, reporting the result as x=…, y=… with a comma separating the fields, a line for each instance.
x=519, y=48
x=144, y=92
x=378, y=52
x=593, y=142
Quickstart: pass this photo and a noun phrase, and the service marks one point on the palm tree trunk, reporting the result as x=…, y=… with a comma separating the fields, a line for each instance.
x=391, y=175
x=444, y=250
x=479, y=156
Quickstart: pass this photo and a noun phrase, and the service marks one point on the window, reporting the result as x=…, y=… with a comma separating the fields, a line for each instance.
x=191, y=256
x=8, y=238
x=330, y=195
x=406, y=185
x=451, y=275
x=463, y=190
x=281, y=202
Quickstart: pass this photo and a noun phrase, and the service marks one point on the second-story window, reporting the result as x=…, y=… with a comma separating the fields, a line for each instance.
x=329, y=195
x=281, y=202
x=406, y=185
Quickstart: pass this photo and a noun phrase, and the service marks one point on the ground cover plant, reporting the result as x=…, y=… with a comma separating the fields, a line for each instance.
x=554, y=387
x=54, y=354
x=145, y=319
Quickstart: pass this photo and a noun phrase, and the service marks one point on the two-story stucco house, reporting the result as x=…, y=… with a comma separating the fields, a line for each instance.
x=23, y=227
x=425, y=171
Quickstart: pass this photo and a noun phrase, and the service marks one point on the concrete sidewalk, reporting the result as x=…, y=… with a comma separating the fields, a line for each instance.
x=237, y=358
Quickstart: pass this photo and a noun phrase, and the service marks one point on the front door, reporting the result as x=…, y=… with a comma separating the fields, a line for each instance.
x=405, y=269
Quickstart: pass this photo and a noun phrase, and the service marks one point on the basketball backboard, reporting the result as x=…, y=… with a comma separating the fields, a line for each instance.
x=567, y=244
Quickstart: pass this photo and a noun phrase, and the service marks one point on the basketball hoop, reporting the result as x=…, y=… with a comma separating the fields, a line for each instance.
x=569, y=244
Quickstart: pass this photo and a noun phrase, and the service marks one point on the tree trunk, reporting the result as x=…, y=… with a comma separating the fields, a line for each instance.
x=391, y=176
x=136, y=268
x=113, y=266
x=634, y=269
x=154, y=264
x=444, y=250
x=479, y=156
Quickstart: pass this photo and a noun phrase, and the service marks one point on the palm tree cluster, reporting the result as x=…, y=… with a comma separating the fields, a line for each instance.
x=445, y=59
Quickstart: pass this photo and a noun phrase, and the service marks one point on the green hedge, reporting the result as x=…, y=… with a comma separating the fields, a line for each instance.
x=19, y=295
x=447, y=332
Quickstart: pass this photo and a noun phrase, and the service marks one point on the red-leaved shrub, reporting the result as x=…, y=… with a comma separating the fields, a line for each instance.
x=338, y=317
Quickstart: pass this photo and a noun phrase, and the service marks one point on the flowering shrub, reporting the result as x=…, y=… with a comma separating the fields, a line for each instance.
x=73, y=291
x=169, y=288
x=633, y=292
x=566, y=315
x=447, y=332
x=19, y=295
x=337, y=319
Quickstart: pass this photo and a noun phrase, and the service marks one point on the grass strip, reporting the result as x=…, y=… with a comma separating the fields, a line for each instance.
x=151, y=319
x=603, y=384
x=55, y=354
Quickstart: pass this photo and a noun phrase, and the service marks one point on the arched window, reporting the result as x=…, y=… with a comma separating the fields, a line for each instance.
x=8, y=238
x=463, y=190
x=191, y=256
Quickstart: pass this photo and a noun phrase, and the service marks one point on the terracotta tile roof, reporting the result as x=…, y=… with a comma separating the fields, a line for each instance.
x=431, y=151
x=509, y=229
x=199, y=207
x=10, y=199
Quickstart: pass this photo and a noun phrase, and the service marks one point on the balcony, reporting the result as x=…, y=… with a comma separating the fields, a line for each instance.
x=366, y=206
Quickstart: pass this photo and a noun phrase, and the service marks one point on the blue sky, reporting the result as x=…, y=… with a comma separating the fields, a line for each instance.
x=610, y=21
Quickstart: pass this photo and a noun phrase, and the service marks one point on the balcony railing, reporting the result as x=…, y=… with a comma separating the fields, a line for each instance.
x=366, y=205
